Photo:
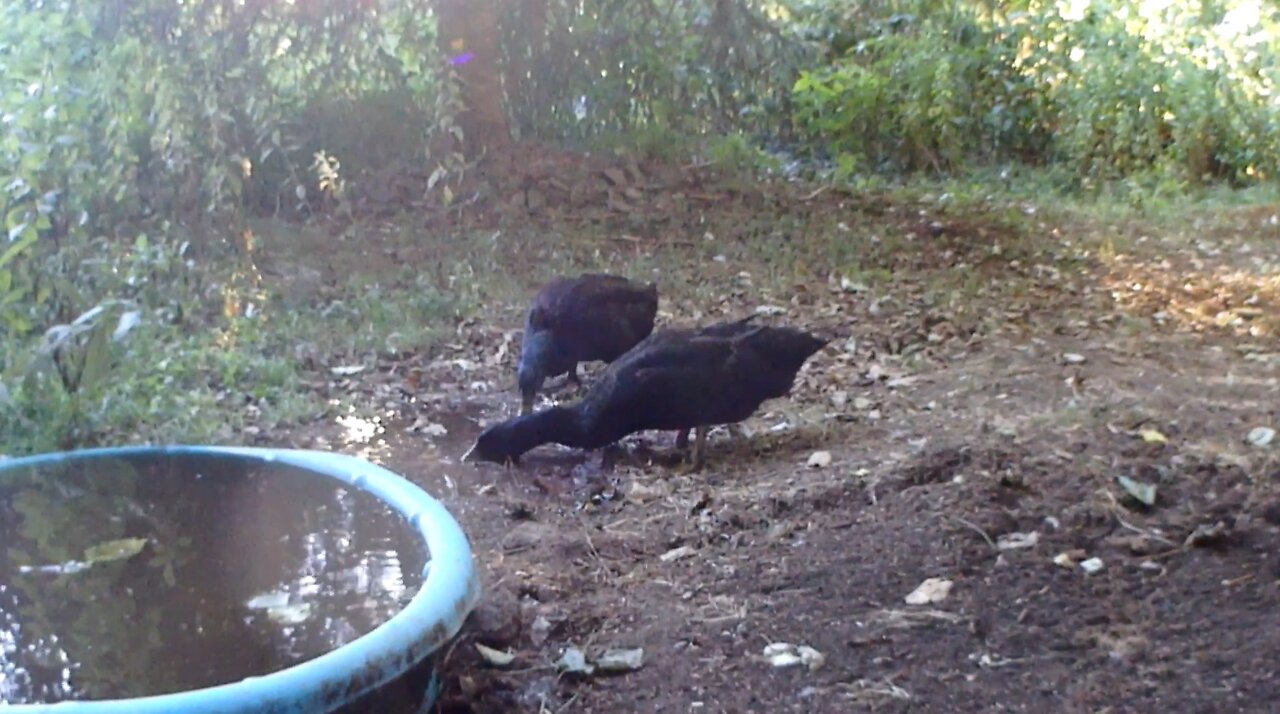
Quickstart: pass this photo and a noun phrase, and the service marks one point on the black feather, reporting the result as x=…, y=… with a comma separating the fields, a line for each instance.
x=591, y=317
x=675, y=379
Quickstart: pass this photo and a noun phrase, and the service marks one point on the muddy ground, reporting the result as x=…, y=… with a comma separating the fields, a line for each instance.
x=992, y=373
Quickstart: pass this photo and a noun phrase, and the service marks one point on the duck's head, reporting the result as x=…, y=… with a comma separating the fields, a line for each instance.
x=499, y=444
x=535, y=356
x=507, y=441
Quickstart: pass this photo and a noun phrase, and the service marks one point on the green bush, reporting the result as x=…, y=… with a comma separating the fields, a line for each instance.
x=115, y=114
x=1114, y=90
x=929, y=93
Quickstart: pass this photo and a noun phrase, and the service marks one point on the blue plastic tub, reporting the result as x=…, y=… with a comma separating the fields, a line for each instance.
x=342, y=677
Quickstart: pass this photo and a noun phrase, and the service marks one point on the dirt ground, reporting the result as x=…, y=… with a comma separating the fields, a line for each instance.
x=988, y=382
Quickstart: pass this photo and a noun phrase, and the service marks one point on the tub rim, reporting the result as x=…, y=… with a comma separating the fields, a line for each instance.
x=449, y=591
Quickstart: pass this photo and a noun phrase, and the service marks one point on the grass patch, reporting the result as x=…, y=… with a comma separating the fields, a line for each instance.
x=242, y=365
x=217, y=380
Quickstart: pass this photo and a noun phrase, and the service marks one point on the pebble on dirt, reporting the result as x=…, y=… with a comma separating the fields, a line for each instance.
x=785, y=654
x=819, y=459
x=1092, y=566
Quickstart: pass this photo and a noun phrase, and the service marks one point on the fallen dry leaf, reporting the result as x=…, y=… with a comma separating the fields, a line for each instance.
x=931, y=590
x=1016, y=541
x=620, y=660
x=683, y=551
x=1153, y=436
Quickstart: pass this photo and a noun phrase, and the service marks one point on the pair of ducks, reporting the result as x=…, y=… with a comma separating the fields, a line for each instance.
x=677, y=379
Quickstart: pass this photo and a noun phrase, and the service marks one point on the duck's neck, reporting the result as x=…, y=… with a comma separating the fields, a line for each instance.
x=557, y=424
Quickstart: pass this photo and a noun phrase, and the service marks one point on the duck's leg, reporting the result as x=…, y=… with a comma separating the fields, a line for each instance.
x=572, y=381
x=699, y=448
x=739, y=436
x=682, y=439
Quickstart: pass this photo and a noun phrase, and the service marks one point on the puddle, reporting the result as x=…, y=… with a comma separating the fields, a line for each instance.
x=133, y=577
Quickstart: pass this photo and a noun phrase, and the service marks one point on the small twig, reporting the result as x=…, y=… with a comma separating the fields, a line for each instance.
x=1115, y=511
x=1146, y=533
x=820, y=190
x=979, y=531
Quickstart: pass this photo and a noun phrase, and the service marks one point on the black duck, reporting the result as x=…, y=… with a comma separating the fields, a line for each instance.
x=591, y=317
x=677, y=379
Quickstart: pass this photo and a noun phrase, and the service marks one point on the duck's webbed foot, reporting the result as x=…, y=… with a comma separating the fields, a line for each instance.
x=697, y=459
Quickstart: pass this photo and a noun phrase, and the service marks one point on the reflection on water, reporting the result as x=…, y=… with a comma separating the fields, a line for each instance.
x=123, y=578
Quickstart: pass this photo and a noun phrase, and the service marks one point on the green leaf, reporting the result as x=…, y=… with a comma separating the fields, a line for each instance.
x=17, y=231
x=17, y=216
x=27, y=238
x=97, y=359
x=13, y=295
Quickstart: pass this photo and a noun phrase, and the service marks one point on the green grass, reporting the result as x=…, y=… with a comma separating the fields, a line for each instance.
x=224, y=379
x=218, y=379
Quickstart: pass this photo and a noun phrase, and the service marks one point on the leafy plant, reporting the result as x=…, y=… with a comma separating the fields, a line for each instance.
x=1114, y=90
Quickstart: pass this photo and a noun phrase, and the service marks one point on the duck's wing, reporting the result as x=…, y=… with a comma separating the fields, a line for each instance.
x=605, y=318
x=734, y=328
x=549, y=304
x=766, y=360
x=665, y=384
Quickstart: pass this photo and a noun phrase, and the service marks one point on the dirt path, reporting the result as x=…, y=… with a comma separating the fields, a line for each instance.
x=975, y=438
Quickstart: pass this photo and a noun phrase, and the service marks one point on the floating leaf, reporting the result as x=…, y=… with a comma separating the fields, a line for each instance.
x=68, y=568
x=1144, y=492
x=266, y=601
x=114, y=550
x=290, y=614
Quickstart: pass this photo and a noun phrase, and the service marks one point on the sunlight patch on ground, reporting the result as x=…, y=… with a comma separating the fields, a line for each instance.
x=1242, y=302
x=358, y=430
